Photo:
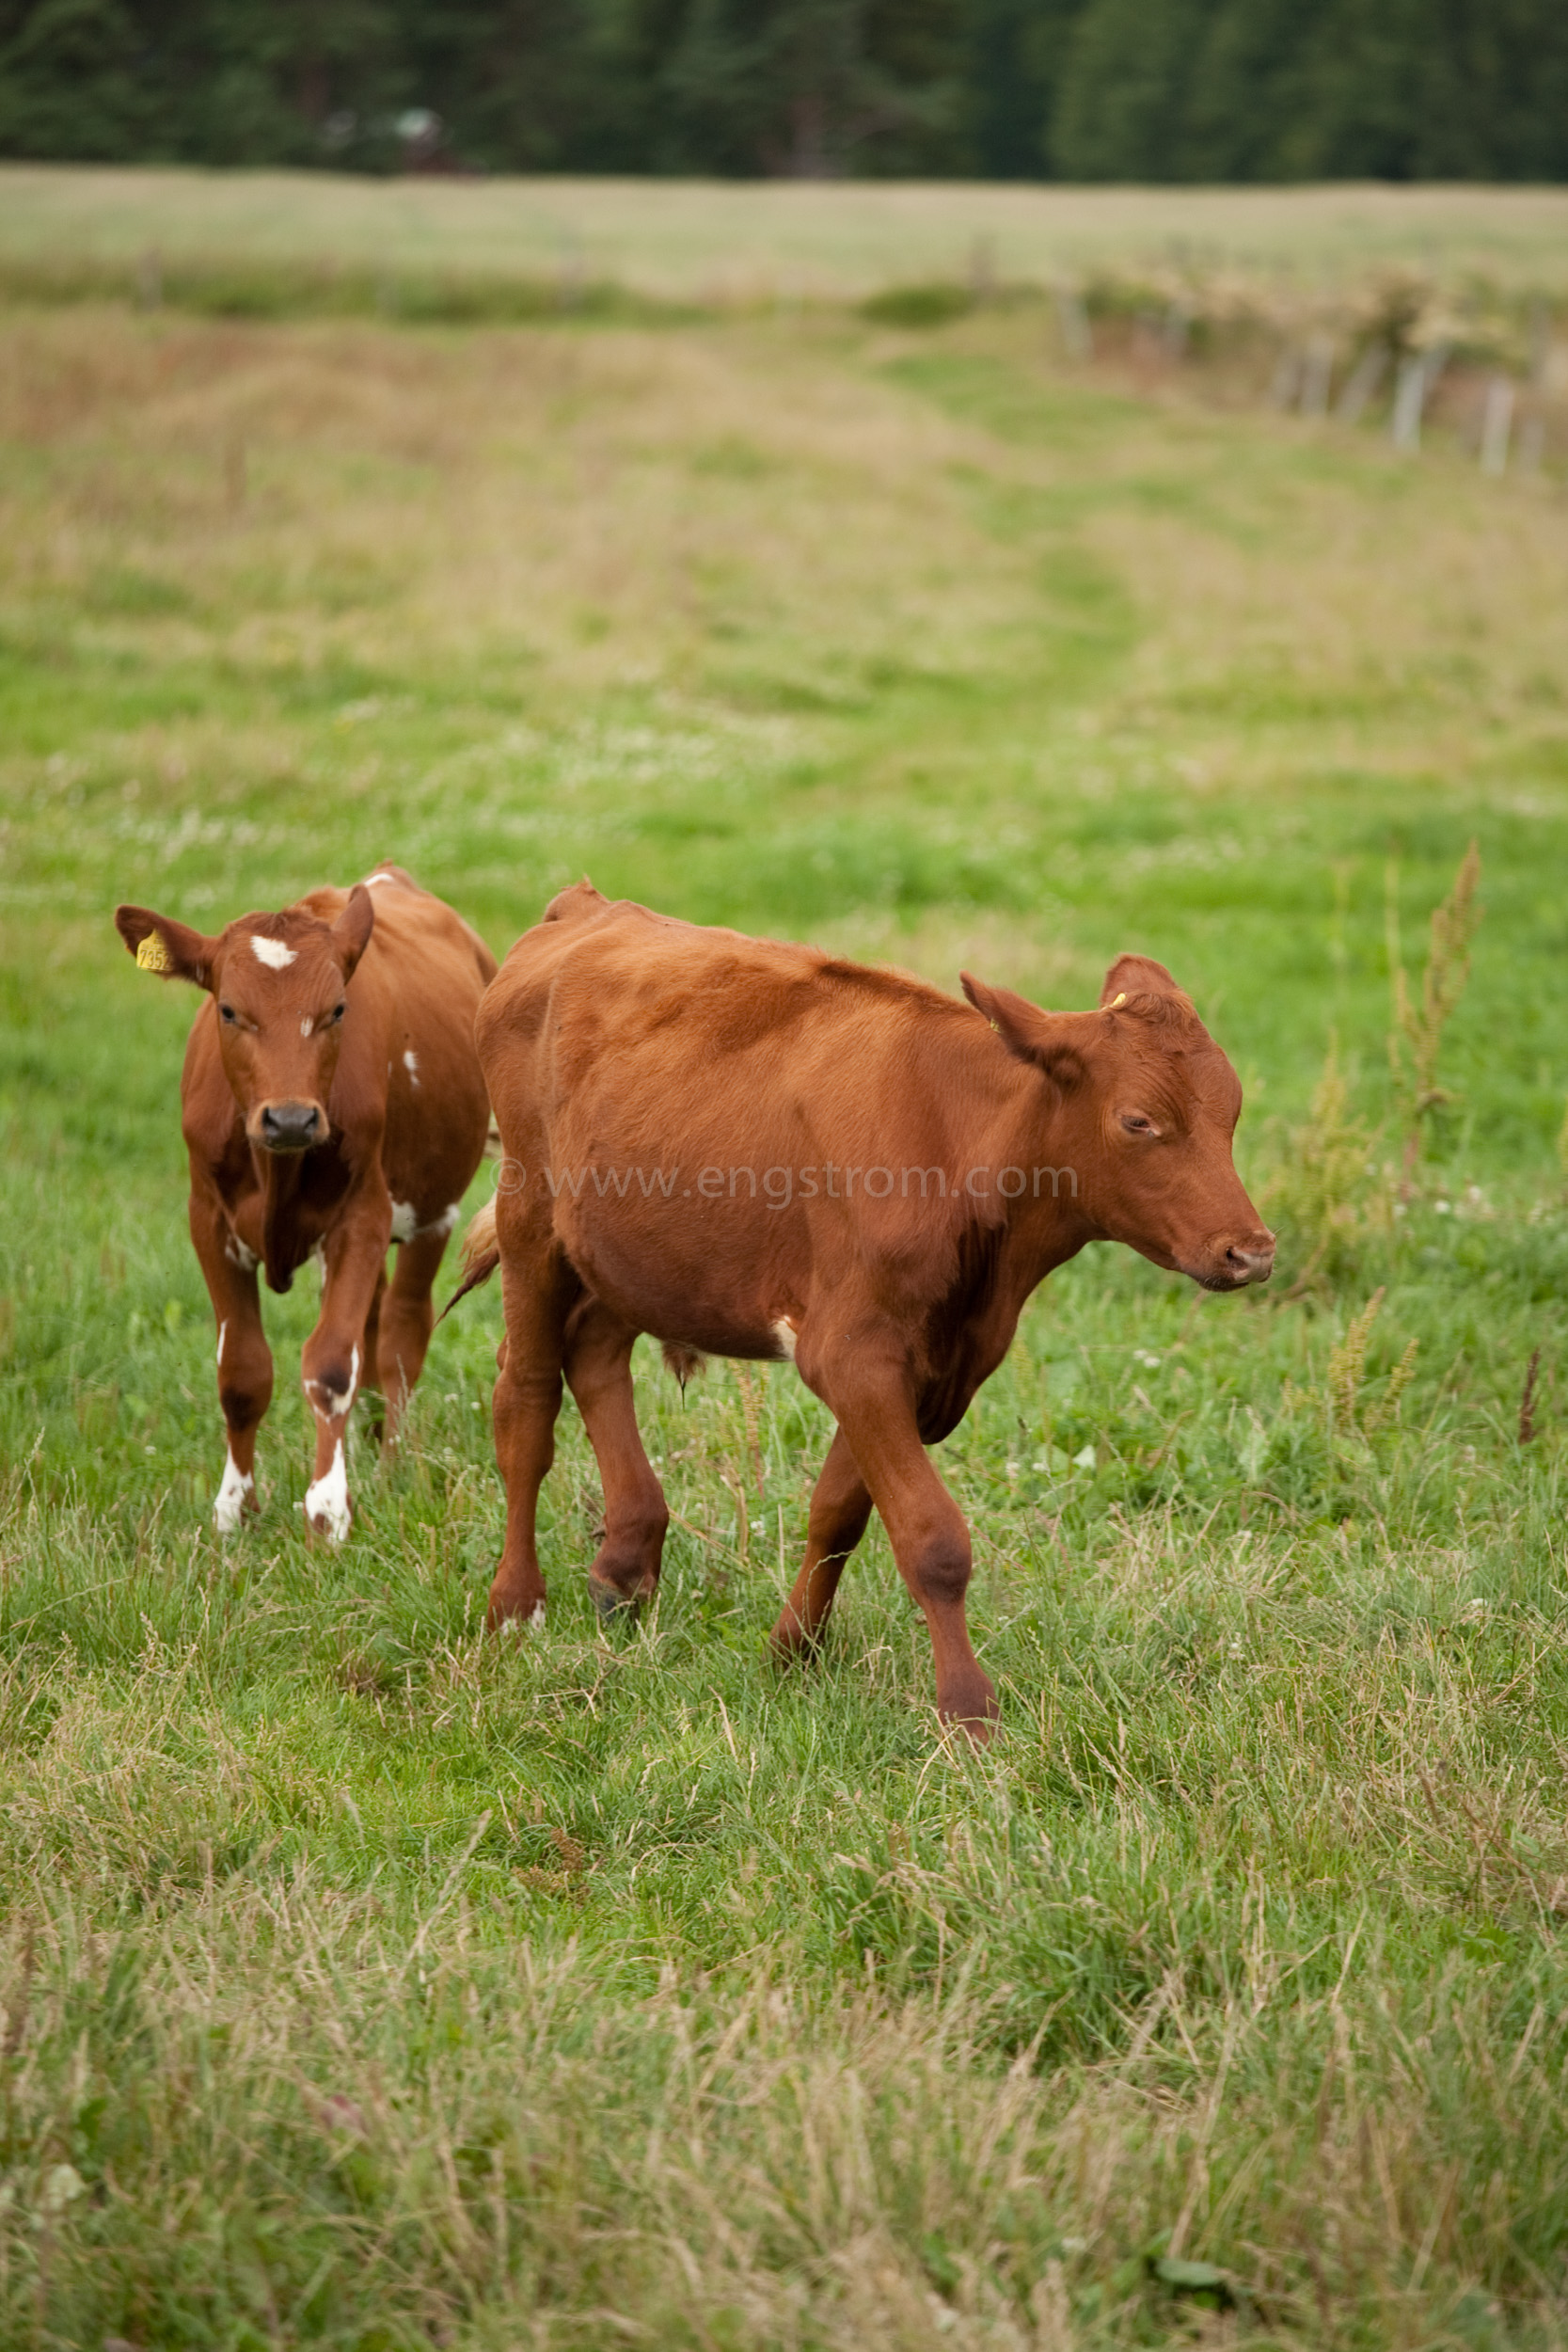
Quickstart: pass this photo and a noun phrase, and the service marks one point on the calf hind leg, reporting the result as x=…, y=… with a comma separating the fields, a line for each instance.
x=624, y=1570
x=375, y=1402
x=840, y=1508
x=407, y=1318
x=539, y=1288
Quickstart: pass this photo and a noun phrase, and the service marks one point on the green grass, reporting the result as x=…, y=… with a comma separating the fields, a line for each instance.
x=750, y=240
x=370, y=1984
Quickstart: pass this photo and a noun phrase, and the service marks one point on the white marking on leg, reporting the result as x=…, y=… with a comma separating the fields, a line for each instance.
x=273, y=952
x=222, y=1329
x=445, y=1222
x=411, y=1063
x=784, y=1331
x=335, y=1402
x=326, y=1499
x=237, y=1254
x=229, y=1507
x=537, y=1619
x=405, y=1220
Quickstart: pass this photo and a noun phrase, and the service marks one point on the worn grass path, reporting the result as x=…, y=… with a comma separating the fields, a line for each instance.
x=369, y=1983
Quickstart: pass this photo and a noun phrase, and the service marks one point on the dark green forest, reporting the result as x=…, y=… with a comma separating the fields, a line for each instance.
x=1020, y=89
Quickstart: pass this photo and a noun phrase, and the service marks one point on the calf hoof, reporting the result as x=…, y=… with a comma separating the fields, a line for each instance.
x=329, y=1523
x=614, y=1607
x=328, y=1509
x=236, y=1503
x=498, y=1619
x=791, y=1644
x=973, y=1712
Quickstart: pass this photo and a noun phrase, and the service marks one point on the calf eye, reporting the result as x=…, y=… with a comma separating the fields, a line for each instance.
x=338, y=1010
x=226, y=1012
x=1136, y=1124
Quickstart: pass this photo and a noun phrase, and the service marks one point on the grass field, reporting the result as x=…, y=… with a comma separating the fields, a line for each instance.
x=752, y=241
x=368, y=1983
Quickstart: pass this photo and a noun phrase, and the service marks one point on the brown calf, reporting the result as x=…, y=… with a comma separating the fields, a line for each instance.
x=333, y=1104
x=762, y=1151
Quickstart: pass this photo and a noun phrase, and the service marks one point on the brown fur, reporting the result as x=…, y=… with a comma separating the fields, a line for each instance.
x=617, y=1039
x=303, y=1130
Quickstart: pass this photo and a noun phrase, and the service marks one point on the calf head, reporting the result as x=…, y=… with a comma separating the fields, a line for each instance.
x=279, y=983
x=1143, y=1105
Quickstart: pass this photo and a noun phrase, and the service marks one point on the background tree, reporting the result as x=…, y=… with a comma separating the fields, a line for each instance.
x=1085, y=89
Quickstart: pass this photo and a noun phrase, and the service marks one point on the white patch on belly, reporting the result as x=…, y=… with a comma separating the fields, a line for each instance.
x=334, y=1405
x=411, y=1063
x=273, y=952
x=784, y=1331
x=222, y=1329
x=306, y=1026
x=229, y=1507
x=237, y=1254
x=537, y=1620
x=326, y=1499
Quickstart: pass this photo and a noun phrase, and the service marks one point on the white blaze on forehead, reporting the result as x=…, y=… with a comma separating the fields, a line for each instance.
x=410, y=1063
x=273, y=952
x=326, y=1499
x=229, y=1509
x=306, y=1026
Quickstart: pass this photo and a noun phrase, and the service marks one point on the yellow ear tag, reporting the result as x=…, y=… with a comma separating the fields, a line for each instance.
x=152, y=956
x=1115, y=1002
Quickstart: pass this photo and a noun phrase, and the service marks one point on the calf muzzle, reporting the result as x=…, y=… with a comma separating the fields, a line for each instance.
x=286, y=1127
x=1250, y=1265
x=1241, y=1262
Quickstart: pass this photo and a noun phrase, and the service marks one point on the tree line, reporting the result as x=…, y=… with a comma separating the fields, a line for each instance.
x=1166, y=90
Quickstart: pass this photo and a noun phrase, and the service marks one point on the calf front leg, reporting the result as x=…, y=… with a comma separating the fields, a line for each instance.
x=407, y=1318
x=244, y=1358
x=332, y=1365
x=925, y=1527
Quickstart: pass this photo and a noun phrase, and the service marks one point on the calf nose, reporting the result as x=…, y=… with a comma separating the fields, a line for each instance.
x=289, y=1126
x=1250, y=1265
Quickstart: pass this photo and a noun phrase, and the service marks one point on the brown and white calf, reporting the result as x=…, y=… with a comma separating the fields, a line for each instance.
x=332, y=1103
x=761, y=1151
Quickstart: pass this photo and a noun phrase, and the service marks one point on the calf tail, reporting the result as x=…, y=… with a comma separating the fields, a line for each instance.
x=481, y=1256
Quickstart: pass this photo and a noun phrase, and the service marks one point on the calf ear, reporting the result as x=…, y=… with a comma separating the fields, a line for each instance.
x=1136, y=976
x=161, y=946
x=351, y=932
x=1024, y=1030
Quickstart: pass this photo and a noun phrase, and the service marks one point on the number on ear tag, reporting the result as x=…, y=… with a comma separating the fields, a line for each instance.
x=152, y=956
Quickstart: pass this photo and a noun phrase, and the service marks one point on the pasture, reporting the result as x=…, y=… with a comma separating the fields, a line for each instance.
x=369, y=1984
